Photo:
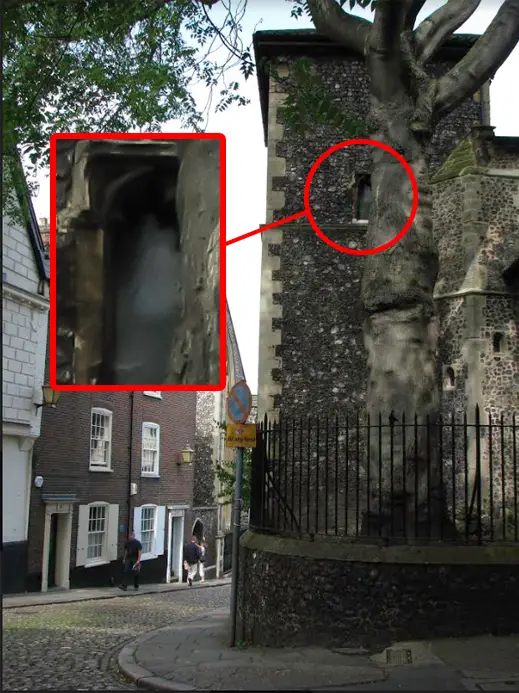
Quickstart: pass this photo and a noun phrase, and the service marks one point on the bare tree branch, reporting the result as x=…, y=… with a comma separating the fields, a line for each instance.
x=344, y=28
x=482, y=60
x=444, y=21
x=414, y=9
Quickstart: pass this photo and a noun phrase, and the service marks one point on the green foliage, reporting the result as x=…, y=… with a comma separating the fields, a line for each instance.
x=300, y=7
x=310, y=103
x=226, y=474
x=89, y=65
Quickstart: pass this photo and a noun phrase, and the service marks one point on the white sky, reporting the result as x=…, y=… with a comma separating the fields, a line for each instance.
x=247, y=164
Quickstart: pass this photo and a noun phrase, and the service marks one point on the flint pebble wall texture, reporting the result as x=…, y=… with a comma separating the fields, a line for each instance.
x=338, y=603
x=477, y=229
x=323, y=361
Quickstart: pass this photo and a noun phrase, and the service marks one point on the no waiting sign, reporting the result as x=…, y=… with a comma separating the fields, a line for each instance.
x=239, y=402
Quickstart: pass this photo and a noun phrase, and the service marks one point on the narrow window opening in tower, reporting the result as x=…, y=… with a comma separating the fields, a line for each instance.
x=143, y=275
x=449, y=379
x=497, y=342
x=363, y=197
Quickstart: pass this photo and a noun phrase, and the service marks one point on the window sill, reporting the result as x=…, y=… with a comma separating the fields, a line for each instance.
x=150, y=393
x=150, y=475
x=96, y=562
x=148, y=556
x=105, y=470
x=360, y=222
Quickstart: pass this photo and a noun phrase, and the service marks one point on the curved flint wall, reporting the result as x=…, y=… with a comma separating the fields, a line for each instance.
x=339, y=594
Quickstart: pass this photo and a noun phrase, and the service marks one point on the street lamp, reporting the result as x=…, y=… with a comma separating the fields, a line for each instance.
x=50, y=397
x=186, y=455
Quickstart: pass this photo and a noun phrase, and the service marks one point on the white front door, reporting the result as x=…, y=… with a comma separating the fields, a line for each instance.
x=57, y=540
x=177, y=548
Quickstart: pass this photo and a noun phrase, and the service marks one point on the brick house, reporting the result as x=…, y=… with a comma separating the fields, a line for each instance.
x=25, y=303
x=110, y=462
x=312, y=359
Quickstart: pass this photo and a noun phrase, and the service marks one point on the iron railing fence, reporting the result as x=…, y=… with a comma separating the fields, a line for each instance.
x=452, y=479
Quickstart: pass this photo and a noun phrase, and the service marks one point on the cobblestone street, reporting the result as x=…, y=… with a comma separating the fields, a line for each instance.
x=75, y=646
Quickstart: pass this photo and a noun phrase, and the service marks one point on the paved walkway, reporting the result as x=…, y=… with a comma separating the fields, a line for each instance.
x=57, y=596
x=196, y=656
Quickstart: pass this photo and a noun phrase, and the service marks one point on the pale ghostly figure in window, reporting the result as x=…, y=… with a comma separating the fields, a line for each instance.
x=363, y=197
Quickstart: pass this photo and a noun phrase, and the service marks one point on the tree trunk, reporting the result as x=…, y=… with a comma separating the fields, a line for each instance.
x=400, y=332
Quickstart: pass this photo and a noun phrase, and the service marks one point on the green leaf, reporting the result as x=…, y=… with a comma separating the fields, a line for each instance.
x=88, y=65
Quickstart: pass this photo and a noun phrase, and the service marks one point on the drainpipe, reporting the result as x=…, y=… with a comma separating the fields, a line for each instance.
x=130, y=458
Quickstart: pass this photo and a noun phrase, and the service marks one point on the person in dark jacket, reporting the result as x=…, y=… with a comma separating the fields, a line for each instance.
x=192, y=558
x=131, y=562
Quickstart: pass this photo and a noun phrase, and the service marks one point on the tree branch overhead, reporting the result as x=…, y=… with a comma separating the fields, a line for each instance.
x=433, y=31
x=414, y=8
x=340, y=26
x=490, y=51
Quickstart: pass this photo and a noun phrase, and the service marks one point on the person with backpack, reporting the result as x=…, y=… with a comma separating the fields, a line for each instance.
x=192, y=560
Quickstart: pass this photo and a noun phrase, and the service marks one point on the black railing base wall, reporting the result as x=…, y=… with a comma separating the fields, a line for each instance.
x=335, y=593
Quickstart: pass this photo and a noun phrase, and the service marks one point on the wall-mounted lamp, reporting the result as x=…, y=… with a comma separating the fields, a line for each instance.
x=50, y=397
x=186, y=455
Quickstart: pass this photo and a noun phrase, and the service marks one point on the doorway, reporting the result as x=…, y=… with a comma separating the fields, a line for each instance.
x=57, y=535
x=177, y=531
x=175, y=543
x=53, y=541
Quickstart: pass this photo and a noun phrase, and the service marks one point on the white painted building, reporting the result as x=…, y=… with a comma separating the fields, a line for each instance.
x=25, y=302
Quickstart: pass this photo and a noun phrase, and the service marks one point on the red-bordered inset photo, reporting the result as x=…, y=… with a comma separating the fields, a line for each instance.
x=137, y=247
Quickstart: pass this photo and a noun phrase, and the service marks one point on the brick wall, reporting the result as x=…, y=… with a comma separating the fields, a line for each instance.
x=61, y=457
x=24, y=320
x=18, y=263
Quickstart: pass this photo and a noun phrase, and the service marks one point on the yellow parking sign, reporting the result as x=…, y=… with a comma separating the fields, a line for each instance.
x=241, y=436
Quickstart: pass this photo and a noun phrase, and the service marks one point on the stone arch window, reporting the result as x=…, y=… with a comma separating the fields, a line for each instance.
x=363, y=196
x=498, y=342
x=449, y=378
x=198, y=529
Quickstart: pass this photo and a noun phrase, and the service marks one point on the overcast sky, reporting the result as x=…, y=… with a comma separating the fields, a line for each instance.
x=247, y=164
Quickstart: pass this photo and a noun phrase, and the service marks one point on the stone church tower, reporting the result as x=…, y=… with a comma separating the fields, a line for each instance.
x=312, y=358
x=476, y=205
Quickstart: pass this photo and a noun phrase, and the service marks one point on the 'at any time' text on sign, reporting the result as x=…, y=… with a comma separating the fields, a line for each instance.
x=241, y=436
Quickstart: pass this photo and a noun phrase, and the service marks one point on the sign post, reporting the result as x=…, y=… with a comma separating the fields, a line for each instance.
x=239, y=403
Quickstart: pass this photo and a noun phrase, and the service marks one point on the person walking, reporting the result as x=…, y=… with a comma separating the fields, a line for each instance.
x=203, y=548
x=192, y=560
x=131, y=562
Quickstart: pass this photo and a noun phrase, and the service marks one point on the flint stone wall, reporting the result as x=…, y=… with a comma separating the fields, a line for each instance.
x=345, y=595
x=321, y=346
